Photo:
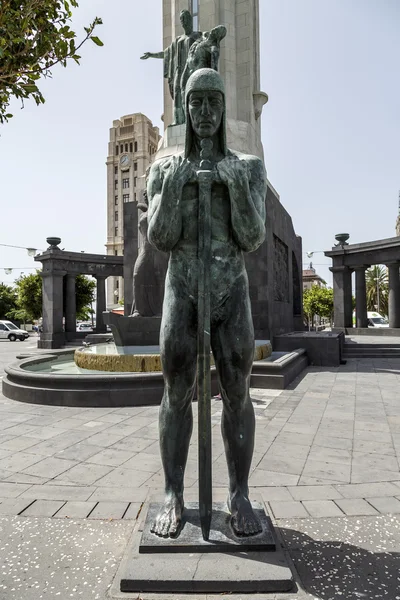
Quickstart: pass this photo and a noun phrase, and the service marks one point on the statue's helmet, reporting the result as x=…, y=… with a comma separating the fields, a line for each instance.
x=204, y=80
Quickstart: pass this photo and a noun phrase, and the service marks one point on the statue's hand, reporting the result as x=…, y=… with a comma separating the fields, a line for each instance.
x=146, y=55
x=232, y=170
x=179, y=169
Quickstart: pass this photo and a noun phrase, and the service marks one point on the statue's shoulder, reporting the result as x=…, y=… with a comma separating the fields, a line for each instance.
x=254, y=162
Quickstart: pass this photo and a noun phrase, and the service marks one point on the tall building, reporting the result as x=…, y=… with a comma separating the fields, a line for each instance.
x=132, y=147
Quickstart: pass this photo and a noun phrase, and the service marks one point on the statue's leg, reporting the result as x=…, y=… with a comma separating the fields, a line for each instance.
x=232, y=342
x=178, y=355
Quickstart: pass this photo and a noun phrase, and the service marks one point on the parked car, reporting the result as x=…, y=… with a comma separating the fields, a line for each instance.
x=376, y=320
x=84, y=327
x=9, y=331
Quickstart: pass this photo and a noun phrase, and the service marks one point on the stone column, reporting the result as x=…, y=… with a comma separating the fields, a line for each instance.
x=70, y=305
x=52, y=310
x=394, y=295
x=361, y=297
x=342, y=300
x=100, y=303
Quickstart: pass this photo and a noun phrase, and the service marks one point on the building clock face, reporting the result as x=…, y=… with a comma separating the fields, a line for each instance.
x=124, y=160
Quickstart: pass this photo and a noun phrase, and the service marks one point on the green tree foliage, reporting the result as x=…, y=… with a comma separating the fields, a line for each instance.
x=85, y=289
x=29, y=290
x=35, y=35
x=29, y=297
x=377, y=283
x=318, y=301
x=8, y=300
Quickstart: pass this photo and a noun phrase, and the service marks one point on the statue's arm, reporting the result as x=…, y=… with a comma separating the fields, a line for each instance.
x=247, y=190
x=147, y=55
x=164, y=214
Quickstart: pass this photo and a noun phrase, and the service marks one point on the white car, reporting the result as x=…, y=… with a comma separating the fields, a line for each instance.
x=376, y=320
x=84, y=327
x=9, y=331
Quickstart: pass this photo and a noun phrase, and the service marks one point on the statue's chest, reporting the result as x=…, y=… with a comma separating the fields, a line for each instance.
x=220, y=208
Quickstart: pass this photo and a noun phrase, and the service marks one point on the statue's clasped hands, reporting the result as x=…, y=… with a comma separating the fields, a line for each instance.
x=231, y=170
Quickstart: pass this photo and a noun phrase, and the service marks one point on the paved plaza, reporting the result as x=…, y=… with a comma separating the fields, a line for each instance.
x=326, y=462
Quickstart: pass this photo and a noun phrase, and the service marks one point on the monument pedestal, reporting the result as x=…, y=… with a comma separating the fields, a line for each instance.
x=223, y=564
x=133, y=331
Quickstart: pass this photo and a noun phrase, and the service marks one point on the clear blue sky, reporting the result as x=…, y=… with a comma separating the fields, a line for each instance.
x=331, y=130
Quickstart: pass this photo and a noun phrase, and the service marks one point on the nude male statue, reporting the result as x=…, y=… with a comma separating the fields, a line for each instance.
x=175, y=57
x=238, y=225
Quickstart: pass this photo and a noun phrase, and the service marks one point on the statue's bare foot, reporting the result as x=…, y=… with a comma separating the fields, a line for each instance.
x=243, y=520
x=169, y=520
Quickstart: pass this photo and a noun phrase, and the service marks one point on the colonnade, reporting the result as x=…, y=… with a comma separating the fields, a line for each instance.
x=342, y=294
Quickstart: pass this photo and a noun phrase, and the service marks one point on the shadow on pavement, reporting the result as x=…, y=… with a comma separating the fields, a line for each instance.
x=334, y=570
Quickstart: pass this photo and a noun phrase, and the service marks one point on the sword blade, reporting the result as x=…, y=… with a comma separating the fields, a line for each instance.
x=203, y=351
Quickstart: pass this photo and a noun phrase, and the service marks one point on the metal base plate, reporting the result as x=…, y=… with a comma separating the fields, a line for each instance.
x=222, y=538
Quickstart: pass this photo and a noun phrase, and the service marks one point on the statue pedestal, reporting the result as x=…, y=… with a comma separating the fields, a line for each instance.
x=197, y=568
x=133, y=331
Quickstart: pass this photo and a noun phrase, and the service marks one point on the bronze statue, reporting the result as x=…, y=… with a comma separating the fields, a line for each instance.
x=175, y=57
x=237, y=226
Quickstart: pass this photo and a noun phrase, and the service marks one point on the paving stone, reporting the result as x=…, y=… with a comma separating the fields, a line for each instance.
x=314, y=492
x=288, y=510
x=111, y=457
x=12, y=490
x=132, y=512
x=135, y=444
x=50, y=467
x=144, y=462
x=322, y=508
x=364, y=490
x=74, y=510
x=13, y=506
x=385, y=504
x=79, y=452
x=104, y=439
x=121, y=476
x=16, y=444
x=109, y=510
x=262, y=478
x=354, y=507
x=331, y=455
x=19, y=461
x=120, y=494
x=84, y=473
x=276, y=494
x=56, y=492
x=329, y=441
x=327, y=470
x=43, y=508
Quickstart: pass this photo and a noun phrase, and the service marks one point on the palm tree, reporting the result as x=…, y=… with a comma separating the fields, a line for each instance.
x=377, y=289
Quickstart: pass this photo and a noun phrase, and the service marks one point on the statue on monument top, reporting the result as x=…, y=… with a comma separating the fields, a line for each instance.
x=191, y=51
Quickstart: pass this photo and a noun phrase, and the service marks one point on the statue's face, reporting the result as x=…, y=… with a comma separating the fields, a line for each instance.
x=206, y=109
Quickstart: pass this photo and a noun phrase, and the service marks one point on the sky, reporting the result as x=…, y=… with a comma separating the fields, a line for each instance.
x=331, y=128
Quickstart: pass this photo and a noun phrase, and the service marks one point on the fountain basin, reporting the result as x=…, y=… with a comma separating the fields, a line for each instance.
x=137, y=359
x=53, y=378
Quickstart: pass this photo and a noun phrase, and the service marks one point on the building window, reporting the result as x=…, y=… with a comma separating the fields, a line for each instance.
x=116, y=184
x=131, y=147
x=126, y=147
x=116, y=252
x=195, y=14
x=135, y=166
x=116, y=200
x=116, y=150
x=125, y=183
x=136, y=146
x=116, y=170
x=135, y=196
x=125, y=198
x=121, y=148
x=116, y=231
x=134, y=181
x=117, y=284
x=116, y=216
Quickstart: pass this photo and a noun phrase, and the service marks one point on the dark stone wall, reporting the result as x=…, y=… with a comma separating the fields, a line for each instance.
x=131, y=245
x=275, y=275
